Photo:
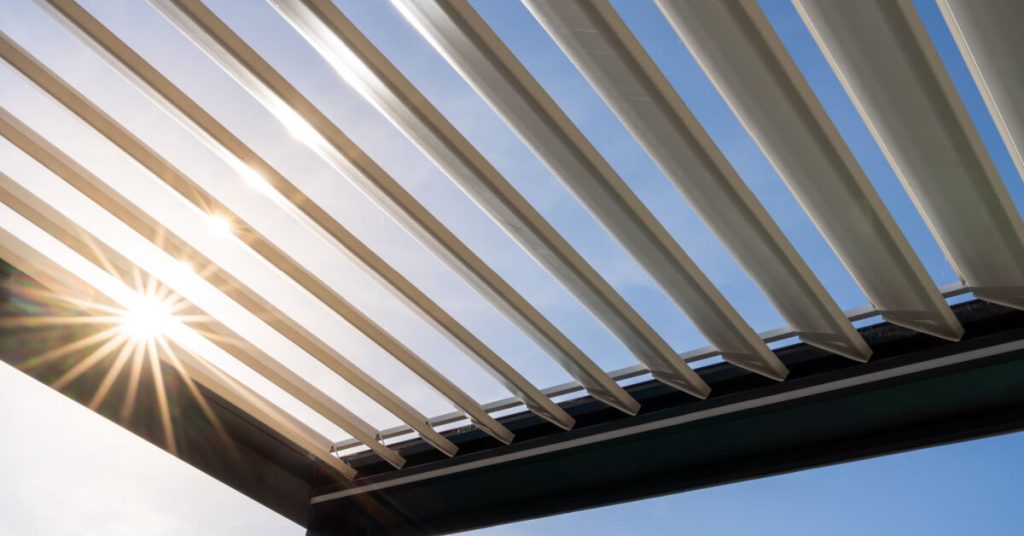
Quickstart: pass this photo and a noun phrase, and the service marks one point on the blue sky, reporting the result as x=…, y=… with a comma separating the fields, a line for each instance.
x=950, y=489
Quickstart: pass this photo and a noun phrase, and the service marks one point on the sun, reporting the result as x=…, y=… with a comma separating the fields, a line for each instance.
x=147, y=319
x=219, y=224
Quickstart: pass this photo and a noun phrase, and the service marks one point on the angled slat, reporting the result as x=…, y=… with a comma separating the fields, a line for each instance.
x=989, y=35
x=362, y=65
x=888, y=65
x=94, y=250
x=218, y=138
x=736, y=46
x=608, y=54
x=476, y=52
x=326, y=139
x=65, y=283
x=103, y=195
x=194, y=193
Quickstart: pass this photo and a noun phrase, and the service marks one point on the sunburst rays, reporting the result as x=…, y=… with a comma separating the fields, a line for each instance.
x=123, y=343
x=125, y=335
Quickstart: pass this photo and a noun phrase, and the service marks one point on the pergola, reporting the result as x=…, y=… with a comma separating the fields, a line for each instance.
x=927, y=372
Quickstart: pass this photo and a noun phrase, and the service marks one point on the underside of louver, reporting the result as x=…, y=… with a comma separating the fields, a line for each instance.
x=480, y=308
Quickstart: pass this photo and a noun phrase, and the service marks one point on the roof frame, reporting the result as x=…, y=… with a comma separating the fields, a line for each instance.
x=883, y=56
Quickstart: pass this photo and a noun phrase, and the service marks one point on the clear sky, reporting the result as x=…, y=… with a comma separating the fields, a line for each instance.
x=65, y=470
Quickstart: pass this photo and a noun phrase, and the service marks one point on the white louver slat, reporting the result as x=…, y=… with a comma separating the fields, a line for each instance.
x=882, y=54
x=234, y=151
x=465, y=40
x=738, y=49
x=283, y=100
x=613, y=60
x=988, y=34
x=367, y=69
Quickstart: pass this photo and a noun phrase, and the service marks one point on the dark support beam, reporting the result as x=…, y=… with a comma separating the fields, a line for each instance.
x=917, y=391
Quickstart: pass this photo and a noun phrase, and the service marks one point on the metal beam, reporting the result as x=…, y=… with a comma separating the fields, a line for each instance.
x=218, y=138
x=324, y=137
x=600, y=44
x=94, y=250
x=739, y=50
x=883, y=56
x=916, y=391
x=990, y=40
x=138, y=220
x=636, y=371
x=251, y=237
x=67, y=284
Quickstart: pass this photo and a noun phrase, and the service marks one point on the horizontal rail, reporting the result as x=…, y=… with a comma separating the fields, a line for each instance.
x=699, y=354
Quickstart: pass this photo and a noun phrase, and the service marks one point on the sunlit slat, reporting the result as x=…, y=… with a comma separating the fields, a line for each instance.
x=103, y=195
x=94, y=250
x=224, y=143
x=887, y=63
x=327, y=140
x=363, y=66
x=171, y=176
x=598, y=42
x=736, y=46
x=63, y=282
x=989, y=35
x=459, y=33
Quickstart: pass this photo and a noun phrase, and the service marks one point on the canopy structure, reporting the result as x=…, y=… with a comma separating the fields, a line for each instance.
x=923, y=372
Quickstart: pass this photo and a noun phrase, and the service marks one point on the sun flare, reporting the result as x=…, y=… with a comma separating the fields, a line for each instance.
x=148, y=318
